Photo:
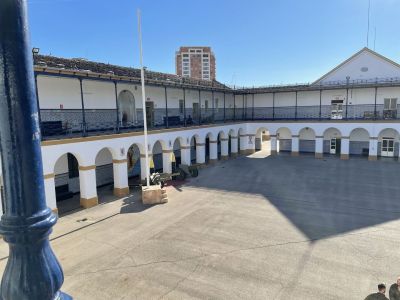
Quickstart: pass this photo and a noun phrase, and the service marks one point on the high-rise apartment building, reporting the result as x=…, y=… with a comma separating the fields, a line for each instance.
x=195, y=62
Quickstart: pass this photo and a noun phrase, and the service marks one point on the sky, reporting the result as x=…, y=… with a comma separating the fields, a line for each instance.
x=256, y=42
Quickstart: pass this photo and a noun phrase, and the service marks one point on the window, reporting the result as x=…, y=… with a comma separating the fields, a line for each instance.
x=181, y=106
x=390, y=103
x=205, y=55
x=73, y=166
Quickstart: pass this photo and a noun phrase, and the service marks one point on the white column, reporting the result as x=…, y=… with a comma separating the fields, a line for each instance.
x=273, y=145
x=200, y=153
x=319, y=147
x=234, y=146
x=167, y=161
x=344, y=147
x=224, y=148
x=185, y=155
x=50, y=191
x=373, y=148
x=120, y=169
x=295, y=145
x=251, y=145
x=213, y=151
x=88, y=187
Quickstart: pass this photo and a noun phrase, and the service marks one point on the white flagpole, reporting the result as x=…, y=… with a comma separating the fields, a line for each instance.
x=146, y=151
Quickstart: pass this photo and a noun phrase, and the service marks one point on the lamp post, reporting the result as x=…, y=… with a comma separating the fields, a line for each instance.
x=32, y=270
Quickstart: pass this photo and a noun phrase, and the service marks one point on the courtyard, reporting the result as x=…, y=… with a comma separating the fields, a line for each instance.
x=256, y=227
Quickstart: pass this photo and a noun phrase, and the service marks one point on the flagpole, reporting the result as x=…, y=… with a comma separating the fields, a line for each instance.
x=146, y=151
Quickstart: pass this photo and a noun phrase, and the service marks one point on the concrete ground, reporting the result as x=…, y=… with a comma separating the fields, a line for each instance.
x=251, y=228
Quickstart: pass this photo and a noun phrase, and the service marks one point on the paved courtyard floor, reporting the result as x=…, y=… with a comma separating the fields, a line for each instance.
x=251, y=228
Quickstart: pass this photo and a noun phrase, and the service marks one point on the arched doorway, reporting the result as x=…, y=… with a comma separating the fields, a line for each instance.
x=177, y=152
x=127, y=109
x=193, y=149
x=307, y=140
x=104, y=173
x=388, y=143
x=67, y=185
x=134, y=167
x=262, y=140
x=332, y=141
x=284, y=140
x=157, y=157
x=209, y=138
x=359, y=142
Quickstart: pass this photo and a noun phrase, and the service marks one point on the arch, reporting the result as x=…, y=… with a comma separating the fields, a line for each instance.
x=209, y=137
x=388, y=142
x=134, y=165
x=332, y=141
x=283, y=139
x=232, y=142
x=66, y=182
x=307, y=140
x=104, y=171
x=127, y=108
x=262, y=139
x=193, y=148
x=221, y=135
x=177, y=150
x=359, y=142
x=157, y=149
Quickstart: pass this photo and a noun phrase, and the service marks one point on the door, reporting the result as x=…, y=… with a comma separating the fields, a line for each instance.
x=335, y=146
x=150, y=113
x=337, y=109
x=387, y=147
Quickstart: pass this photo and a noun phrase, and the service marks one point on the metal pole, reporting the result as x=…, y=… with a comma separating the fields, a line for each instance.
x=83, y=109
x=213, y=106
x=37, y=100
x=252, y=111
x=224, y=107
x=243, y=110
x=320, y=104
x=146, y=150
x=116, y=103
x=32, y=270
x=234, y=107
x=184, y=107
x=376, y=94
x=347, y=100
x=199, y=108
x=166, y=106
x=273, y=106
x=295, y=108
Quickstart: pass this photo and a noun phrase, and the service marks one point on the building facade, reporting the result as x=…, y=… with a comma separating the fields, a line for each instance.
x=92, y=135
x=195, y=62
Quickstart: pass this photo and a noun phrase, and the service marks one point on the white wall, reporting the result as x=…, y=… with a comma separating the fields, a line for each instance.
x=56, y=91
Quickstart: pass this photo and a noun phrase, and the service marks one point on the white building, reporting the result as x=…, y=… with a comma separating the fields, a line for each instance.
x=91, y=120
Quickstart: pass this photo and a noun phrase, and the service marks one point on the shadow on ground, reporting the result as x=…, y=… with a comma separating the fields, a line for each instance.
x=321, y=197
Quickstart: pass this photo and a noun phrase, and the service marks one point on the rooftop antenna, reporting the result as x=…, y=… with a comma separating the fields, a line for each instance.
x=146, y=150
x=369, y=7
x=374, y=38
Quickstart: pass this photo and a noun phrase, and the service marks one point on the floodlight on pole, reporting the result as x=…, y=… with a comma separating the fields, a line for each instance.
x=146, y=150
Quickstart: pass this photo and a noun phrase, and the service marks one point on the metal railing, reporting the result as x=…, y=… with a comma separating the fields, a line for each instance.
x=68, y=124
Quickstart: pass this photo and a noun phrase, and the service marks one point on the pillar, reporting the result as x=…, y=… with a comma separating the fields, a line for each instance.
x=200, y=153
x=295, y=145
x=50, y=191
x=185, y=155
x=344, y=147
x=167, y=161
x=243, y=143
x=213, y=151
x=373, y=148
x=319, y=147
x=32, y=270
x=121, y=186
x=234, y=146
x=88, y=187
x=273, y=145
x=143, y=165
x=224, y=148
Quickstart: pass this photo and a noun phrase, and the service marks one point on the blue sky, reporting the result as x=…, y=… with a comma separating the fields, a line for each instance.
x=255, y=42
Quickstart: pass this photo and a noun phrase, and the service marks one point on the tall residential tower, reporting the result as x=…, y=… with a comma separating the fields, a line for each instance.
x=195, y=62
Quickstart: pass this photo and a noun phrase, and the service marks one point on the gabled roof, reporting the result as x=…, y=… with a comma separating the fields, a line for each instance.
x=365, y=49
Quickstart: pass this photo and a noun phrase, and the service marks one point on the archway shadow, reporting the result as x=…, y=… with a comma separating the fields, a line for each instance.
x=320, y=197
